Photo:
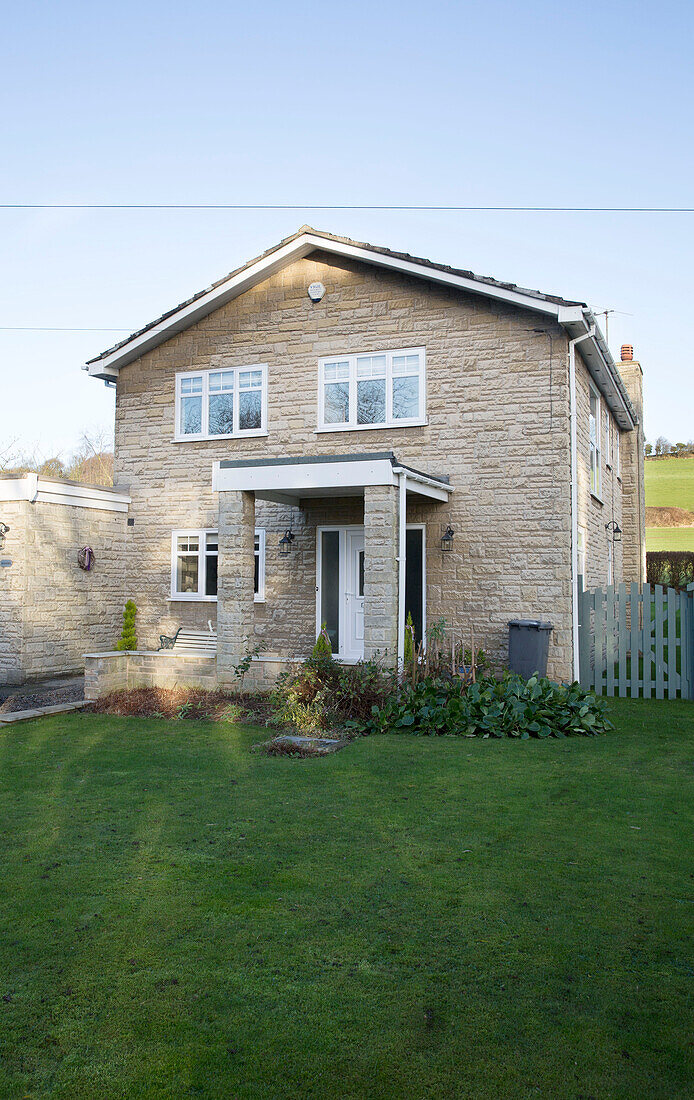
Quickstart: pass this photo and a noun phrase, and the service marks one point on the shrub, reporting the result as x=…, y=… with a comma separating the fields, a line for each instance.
x=409, y=643
x=323, y=694
x=322, y=649
x=128, y=638
x=510, y=707
x=670, y=567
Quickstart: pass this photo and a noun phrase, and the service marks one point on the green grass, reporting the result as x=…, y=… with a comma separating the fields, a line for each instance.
x=410, y=918
x=670, y=538
x=670, y=483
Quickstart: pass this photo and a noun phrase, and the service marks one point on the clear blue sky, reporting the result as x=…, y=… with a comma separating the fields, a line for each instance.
x=467, y=103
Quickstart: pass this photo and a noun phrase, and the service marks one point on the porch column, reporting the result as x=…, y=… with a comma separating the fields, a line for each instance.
x=381, y=572
x=235, y=575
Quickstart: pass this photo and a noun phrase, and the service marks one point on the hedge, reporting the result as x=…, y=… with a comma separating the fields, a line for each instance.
x=670, y=567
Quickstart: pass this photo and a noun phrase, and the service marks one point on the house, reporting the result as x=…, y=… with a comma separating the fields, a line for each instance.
x=55, y=598
x=338, y=433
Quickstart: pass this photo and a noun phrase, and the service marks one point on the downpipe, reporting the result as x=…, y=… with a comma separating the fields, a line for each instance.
x=574, y=495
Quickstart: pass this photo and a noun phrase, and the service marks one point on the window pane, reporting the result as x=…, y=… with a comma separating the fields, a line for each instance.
x=187, y=573
x=187, y=543
x=336, y=403
x=221, y=413
x=330, y=586
x=405, y=364
x=211, y=574
x=249, y=409
x=212, y=542
x=405, y=397
x=371, y=402
x=256, y=575
x=191, y=415
x=414, y=593
x=371, y=366
x=222, y=381
x=250, y=379
x=192, y=384
x=337, y=372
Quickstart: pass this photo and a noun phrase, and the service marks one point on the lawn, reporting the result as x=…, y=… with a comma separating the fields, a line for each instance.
x=410, y=918
x=670, y=538
x=670, y=482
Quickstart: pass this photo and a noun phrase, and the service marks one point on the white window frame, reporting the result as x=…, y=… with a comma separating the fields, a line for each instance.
x=607, y=443
x=201, y=534
x=595, y=448
x=390, y=421
x=238, y=433
x=259, y=553
x=616, y=450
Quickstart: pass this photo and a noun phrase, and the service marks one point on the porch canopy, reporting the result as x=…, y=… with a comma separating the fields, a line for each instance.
x=288, y=480
x=378, y=612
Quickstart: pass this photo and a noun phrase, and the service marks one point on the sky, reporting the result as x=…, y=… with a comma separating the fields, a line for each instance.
x=315, y=104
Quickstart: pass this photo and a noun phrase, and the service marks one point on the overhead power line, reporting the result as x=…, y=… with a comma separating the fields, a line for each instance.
x=346, y=206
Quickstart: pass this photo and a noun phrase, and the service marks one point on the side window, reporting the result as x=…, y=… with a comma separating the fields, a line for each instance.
x=595, y=449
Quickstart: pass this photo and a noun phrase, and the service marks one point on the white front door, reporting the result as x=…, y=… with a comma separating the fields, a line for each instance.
x=354, y=595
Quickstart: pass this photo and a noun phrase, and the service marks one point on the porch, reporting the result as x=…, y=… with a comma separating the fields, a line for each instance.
x=366, y=566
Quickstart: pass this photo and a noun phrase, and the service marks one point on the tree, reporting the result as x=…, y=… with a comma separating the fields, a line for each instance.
x=662, y=445
x=128, y=638
x=649, y=449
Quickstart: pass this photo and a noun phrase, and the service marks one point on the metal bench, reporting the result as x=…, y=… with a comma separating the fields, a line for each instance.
x=188, y=640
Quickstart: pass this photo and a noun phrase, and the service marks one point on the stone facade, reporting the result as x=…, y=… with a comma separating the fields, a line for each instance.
x=497, y=425
x=50, y=609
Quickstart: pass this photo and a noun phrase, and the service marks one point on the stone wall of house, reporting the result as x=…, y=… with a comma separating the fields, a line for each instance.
x=497, y=424
x=12, y=586
x=66, y=610
x=597, y=510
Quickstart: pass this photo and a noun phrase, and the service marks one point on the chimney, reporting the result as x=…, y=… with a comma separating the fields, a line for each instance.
x=632, y=473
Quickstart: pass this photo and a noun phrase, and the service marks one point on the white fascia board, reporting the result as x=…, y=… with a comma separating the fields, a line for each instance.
x=294, y=478
x=81, y=496
x=433, y=275
x=288, y=482
x=601, y=367
x=107, y=368
x=19, y=488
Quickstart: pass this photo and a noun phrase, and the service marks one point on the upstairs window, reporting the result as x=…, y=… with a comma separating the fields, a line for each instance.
x=595, y=453
x=615, y=451
x=213, y=404
x=379, y=390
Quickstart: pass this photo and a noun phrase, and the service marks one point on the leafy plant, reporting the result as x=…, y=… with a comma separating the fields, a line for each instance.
x=510, y=707
x=322, y=648
x=409, y=643
x=323, y=694
x=128, y=638
x=243, y=666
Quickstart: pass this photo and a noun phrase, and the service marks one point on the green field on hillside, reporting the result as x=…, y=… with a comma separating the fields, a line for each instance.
x=670, y=538
x=670, y=483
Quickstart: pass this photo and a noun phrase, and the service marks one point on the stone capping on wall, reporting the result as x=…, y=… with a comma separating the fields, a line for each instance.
x=124, y=670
